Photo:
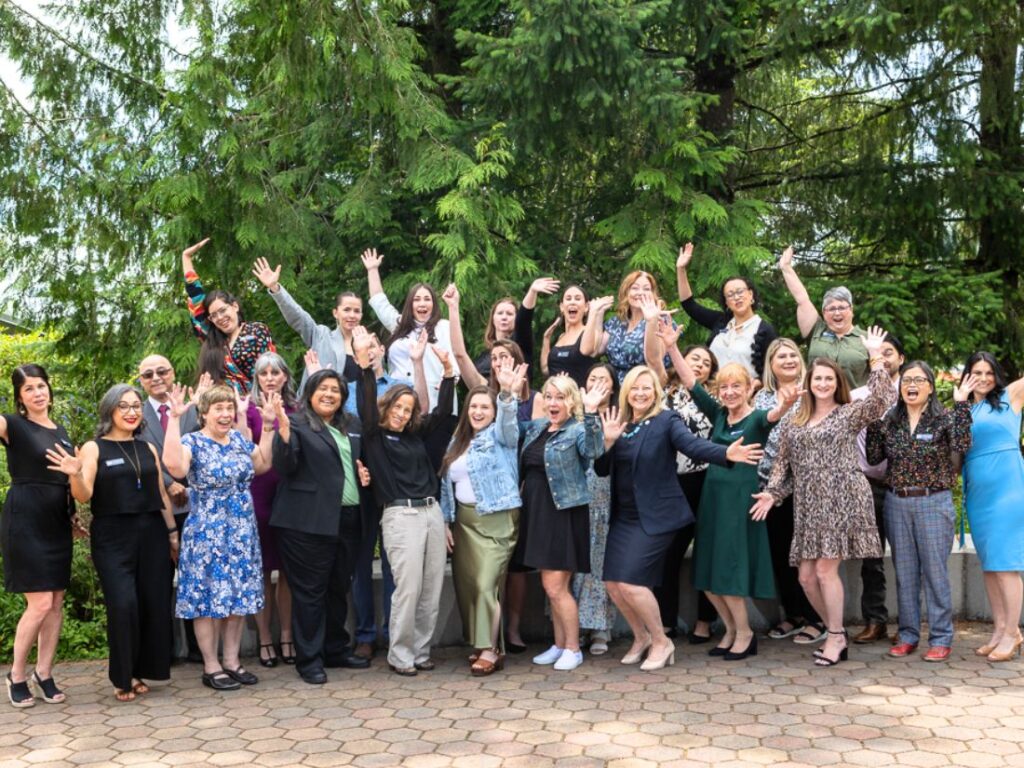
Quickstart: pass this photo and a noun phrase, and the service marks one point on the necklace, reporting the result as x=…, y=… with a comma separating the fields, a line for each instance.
x=136, y=465
x=633, y=432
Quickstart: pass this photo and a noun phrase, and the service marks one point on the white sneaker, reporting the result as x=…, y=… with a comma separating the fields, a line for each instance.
x=550, y=656
x=569, y=660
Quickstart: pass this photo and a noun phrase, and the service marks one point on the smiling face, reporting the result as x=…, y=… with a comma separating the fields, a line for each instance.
x=600, y=376
x=223, y=315
x=220, y=418
x=271, y=379
x=573, y=306
x=915, y=388
x=156, y=374
x=557, y=405
x=504, y=319
x=480, y=411
x=399, y=413
x=128, y=413
x=786, y=365
x=738, y=297
x=891, y=359
x=640, y=288
x=349, y=313
x=422, y=304
x=986, y=379
x=641, y=396
x=823, y=384
x=734, y=392
x=34, y=394
x=838, y=316
x=699, y=361
x=326, y=398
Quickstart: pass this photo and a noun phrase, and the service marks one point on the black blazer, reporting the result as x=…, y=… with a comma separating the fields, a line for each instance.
x=312, y=481
x=659, y=499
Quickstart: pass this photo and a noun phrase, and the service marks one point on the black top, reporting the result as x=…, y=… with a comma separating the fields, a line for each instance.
x=716, y=322
x=127, y=479
x=625, y=455
x=522, y=335
x=570, y=360
x=351, y=372
x=398, y=461
x=27, y=443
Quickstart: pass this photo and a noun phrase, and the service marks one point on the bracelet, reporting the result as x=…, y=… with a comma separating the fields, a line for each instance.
x=172, y=530
x=873, y=360
x=268, y=429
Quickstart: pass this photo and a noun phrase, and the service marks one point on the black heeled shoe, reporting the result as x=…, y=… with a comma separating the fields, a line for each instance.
x=750, y=650
x=821, y=660
x=287, y=658
x=271, y=659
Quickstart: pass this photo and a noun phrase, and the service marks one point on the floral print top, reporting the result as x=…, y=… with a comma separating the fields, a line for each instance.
x=922, y=458
x=625, y=348
x=253, y=338
x=681, y=401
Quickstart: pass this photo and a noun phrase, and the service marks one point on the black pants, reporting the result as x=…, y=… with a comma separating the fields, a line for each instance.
x=872, y=569
x=191, y=644
x=131, y=553
x=319, y=571
x=794, y=600
x=667, y=594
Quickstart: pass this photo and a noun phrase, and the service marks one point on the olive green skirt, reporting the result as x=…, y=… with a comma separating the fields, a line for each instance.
x=480, y=558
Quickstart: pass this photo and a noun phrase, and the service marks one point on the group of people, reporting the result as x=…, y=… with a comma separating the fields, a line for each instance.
x=775, y=467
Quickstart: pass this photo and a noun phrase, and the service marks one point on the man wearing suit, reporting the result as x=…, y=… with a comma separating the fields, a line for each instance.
x=156, y=375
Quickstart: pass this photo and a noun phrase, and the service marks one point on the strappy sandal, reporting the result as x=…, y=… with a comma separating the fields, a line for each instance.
x=807, y=636
x=48, y=689
x=124, y=696
x=483, y=667
x=288, y=658
x=271, y=659
x=779, y=631
x=20, y=694
x=140, y=688
x=821, y=660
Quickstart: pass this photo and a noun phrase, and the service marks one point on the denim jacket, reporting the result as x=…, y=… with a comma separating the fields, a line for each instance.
x=493, y=470
x=567, y=455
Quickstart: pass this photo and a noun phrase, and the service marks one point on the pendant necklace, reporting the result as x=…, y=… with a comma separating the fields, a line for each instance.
x=136, y=465
x=633, y=432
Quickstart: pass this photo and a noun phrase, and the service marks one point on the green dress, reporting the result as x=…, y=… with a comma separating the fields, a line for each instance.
x=730, y=550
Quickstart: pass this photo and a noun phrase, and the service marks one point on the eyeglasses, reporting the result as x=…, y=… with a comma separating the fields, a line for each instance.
x=151, y=372
x=915, y=380
x=219, y=313
x=836, y=308
x=739, y=293
x=127, y=407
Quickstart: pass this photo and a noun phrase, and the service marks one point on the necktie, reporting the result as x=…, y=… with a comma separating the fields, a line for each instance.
x=163, y=417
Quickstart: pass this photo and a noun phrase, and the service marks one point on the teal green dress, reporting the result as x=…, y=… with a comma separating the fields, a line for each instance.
x=730, y=550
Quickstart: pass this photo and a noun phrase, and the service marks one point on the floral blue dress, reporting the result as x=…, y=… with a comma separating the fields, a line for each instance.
x=597, y=612
x=625, y=348
x=220, y=571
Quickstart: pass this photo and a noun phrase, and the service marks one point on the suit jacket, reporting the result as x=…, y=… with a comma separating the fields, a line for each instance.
x=153, y=434
x=659, y=499
x=312, y=478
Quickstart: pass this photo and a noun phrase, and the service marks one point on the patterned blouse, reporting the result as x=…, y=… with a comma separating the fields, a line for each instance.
x=625, y=348
x=924, y=458
x=253, y=338
x=680, y=401
x=767, y=401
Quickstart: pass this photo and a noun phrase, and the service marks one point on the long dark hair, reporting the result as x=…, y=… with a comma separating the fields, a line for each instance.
x=993, y=397
x=215, y=347
x=613, y=396
x=23, y=373
x=340, y=420
x=750, y=287
x=674, y=383
x=932, y=408
x=407, y=321
x=463, y=434
x=517, y=354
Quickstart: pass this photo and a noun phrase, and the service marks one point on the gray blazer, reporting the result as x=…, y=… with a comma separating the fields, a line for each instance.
x=328, y=344
x=153, y=434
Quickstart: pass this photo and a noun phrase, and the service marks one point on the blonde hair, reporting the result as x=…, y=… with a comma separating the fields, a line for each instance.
x=625, y=409
x=770, y=382
x=221, y=393
x=734, y=372
x=622, y=308
x=566, y=387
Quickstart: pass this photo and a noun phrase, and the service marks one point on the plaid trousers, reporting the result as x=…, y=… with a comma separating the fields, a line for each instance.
x=920, y=531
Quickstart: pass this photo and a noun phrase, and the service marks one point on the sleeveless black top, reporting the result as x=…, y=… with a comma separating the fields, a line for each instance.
x=127, y=479
x=570, y=360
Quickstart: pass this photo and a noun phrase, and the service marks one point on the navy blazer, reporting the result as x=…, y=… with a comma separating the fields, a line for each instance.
x=659, y=498
x=309, y=494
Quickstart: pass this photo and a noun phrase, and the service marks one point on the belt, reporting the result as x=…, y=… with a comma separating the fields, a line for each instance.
x=905, y=493
x=412, y=502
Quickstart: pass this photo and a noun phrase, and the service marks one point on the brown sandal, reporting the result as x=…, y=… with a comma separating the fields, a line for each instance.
x=124, y=696
x=140, y=688
x=483, y=667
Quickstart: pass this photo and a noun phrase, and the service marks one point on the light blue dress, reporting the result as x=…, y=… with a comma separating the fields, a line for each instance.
x=994, y=487
x=220, y=571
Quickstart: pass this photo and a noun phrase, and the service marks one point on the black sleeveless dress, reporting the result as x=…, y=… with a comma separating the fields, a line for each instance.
x=570, y=360
x=35, y=528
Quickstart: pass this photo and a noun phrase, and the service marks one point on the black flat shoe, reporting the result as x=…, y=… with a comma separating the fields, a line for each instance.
x=288, y=658
x=271, y=659
x=750, y=650
x=514, y=648
x=315, y=677
x=220, y=681
x=696, y=639
x=242, y=676
x=425, y=666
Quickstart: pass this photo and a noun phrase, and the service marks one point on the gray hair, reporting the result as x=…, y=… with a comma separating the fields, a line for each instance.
x=275, y=361
x=108, y=405
x=840, y=293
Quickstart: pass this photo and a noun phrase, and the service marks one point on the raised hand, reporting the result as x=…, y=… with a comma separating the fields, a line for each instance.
x=241, y=406
x=451, y=295
x=442, y=354
x=788, y=395
x=738, y=453
x=189, y=252
x=550, y=330
x=786, y=259
x=371, y=260
x=419, y=347
x=963, y=392
x=667, y=331
x=685, y=254
x=269, y=277
x=364, y=474
x=594, y=396
x=176, y=400
x=205, y=383
x=611, y=425
x=602, y=304
x=650, y=308
x=312, y=361
x=765, y=501
x=873, y=340
x=62, y=461
x=545, y=285
x=511, y=376
x=361, y=343
x=269, y=410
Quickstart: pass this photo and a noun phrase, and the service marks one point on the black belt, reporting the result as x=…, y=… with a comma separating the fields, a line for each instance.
x=905, y=493
x=412, y=502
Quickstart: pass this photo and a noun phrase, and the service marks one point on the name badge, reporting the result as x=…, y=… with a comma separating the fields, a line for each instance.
x=67, y=444
x=924, y=437
x=114, y=462
x=736, y=433
x=561, y=354
x=393, y=438
x=354, y=434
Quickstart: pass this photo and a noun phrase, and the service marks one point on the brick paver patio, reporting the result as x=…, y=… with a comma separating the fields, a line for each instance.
x=772, y=709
